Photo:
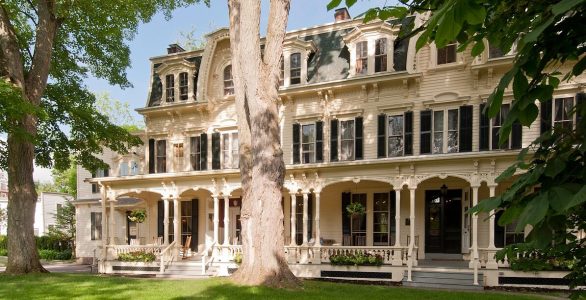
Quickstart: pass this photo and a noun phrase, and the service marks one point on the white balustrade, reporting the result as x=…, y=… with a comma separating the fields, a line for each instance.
x=387, y=253
x=120, y=249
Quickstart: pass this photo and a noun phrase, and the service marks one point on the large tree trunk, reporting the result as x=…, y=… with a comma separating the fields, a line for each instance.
x=22, y=197
x=261, y=158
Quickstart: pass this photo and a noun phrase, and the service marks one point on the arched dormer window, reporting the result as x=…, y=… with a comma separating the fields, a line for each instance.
x=228, y=83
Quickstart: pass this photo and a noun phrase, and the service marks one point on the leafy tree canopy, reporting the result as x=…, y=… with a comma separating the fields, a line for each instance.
x=549, y=192
x=90, y=39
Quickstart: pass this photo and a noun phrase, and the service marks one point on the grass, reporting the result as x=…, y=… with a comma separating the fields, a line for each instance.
x=69, y=286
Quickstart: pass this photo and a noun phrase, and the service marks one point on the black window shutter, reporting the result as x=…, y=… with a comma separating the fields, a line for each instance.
x=545, y=116
x=310, y=216
x=580, y=107
x=499, y=232
x=381, y=136
x=106, y=172
x=203, y=159
x=465, y=128
x=425, y=116
x=160, y=218
x=358, y=141
x=391, y=220
x=151, y=156
x=408, y=133
x=194, y=223
x=345, y=218
x=516, y=135
x=216, y=151
x=334, y=140
x=319, y=141
x=484, y=128
x=296, y=143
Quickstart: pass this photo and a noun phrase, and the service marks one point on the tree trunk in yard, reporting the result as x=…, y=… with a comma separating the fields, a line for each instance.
x=22, y=197
x=261, y=159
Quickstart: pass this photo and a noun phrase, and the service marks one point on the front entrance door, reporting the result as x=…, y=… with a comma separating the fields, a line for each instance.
x=443, y=221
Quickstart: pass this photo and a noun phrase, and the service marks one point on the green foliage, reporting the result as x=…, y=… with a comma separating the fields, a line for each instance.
x=47, y=254
x=3, y=218
x=3, y=252
x=355, y=208
x=64, y=229
x=359, y=259
x=523, y=257
x=118, y=112
x=238, y=258
x=3, y=242
x=65, y=181
x=137, y=256
x=137, y=216
x=51, y=242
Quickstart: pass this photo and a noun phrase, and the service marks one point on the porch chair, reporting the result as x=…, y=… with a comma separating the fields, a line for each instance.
x=183, y=251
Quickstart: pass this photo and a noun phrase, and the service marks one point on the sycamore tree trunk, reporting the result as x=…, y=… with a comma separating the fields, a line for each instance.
x=261, y=158
x=22, y=197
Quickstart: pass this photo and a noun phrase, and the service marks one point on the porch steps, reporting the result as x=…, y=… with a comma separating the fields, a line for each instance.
x=441, y=279
x=189, y=269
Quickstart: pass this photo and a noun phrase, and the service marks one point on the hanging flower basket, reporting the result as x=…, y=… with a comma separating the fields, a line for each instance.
x=137, y=216
x=355, y=209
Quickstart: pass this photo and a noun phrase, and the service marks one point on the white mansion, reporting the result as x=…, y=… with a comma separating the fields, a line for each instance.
x=364, y=119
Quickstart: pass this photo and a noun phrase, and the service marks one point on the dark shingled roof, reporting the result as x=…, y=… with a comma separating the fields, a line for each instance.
x=332, y=59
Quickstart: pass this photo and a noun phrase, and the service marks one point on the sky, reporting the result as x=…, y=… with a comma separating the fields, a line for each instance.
x=153, y=38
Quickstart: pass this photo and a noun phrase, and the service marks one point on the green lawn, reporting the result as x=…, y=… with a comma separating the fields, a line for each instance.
x=69, y=286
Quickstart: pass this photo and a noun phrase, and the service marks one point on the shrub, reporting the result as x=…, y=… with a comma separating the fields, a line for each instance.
x=3, y=242
x=137, y=256
x=50, y=242
x=3, y=252
x=54, y=254
x=359, y=259
x=238, y=258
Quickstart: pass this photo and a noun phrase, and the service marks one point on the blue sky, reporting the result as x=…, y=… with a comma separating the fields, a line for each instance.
x=153, y=38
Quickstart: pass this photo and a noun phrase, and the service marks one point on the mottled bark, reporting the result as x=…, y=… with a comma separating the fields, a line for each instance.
x=261, y=158
x=22, y=197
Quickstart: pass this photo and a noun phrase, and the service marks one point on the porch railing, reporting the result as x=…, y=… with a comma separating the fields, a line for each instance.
x=390, y=255
x=123, y=249
x=167, y=256
x=204, y=257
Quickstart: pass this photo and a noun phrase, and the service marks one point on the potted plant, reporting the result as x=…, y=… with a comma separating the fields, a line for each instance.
x=355, y=209
x=137, y=216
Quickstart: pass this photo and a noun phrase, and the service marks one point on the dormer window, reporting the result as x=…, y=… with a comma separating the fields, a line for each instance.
x=380, y=55
x=295, y=68
x=447, y=54
x=170, y=88
x=361, y=57
x=228, y=83
x=183, y=86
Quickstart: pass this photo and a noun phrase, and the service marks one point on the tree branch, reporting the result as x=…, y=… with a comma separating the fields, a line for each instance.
x=12, y=64
x=36, y=80
x=278, y=14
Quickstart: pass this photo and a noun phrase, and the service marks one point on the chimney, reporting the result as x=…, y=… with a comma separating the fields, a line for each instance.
x=341, y=14
x=174, y=48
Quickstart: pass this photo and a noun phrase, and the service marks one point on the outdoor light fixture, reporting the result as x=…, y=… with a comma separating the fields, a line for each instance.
x=444, y=190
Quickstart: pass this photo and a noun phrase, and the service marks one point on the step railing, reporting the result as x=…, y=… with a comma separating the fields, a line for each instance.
x=167, y=256
x=204, y=261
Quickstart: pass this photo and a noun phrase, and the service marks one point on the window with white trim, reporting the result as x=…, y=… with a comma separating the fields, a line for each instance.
x=308, y=143
x=230, y=159
x=447, y=54
x=195, y=153
x=123, y=169
x=562, y=116
x=347, y=136
x=380, y=55
x=295, y=72
x=362, y=57
x=161, y=156
x=96, y=226
x=445, y=131
x=183, y=86
x=228, y=81
x=170, y=88
x=396, y=141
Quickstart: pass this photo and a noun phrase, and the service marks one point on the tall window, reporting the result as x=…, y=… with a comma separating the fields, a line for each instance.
x=97, y=174
x=347, y=136
x=281, y=72
x=295, y=61
x=395, y=139
x=562, y=117
x=195, y=153
x=380, y=55
x=497, y=123
x=183, y=86
x=447, y=54
x=96, y=226
x=123, y=169
x=308, y=143
x=170, y=87
x=383, y=214
x=228, y=82
x=361, y=58
x=507, y=235
x=445, y=141
x=161, y=156
x=230, y=159
x=358, y=222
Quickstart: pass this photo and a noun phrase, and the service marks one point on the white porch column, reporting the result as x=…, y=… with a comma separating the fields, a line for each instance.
x=491, y=220
x=410, y=253
x=226, y=220
x=474, y=259
x=305, y=217
x=166, y=221
x=104, y=228
x=176, y=222
x=293, y=218
x=317, y=212
x=112, y=224
x=216, y=218
x=398, y=217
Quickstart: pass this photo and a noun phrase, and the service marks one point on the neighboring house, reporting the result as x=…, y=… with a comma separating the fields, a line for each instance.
x=48, y=204
x=3, y=201
x=364, y=119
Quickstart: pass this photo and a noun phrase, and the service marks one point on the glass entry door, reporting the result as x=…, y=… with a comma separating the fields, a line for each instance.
x=443, y=220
